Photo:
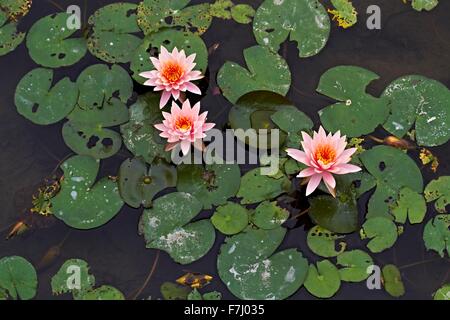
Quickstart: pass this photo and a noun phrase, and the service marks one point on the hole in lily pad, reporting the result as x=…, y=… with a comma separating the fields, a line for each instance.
x=382, y=166
x=107, y=142
x=92, y=142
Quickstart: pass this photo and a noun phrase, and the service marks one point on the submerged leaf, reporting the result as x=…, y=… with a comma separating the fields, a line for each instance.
x=230, y=218
x=436, y=234
x=18, y=278
x=323, y=281
x=392, y=281
x=173, y=291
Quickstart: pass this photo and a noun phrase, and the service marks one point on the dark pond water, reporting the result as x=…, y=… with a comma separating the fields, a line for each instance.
x=408, y=43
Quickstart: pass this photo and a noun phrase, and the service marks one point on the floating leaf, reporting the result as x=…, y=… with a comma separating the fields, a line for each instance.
x=427, y=5
x=393, y=170
x=213, y=295
x=409, y=204
x=251, y=271
x=304, y=21
x=442, y=293
x=382, y=232
x=80, y=203
x=345, y=13
x=242, y=13
x=355, y=264
x=166, y=226
x=230, y=218
x=18, y=278
x=323, y=281
x=49, y=44
x=101, y=293
x=268, y=215
x=419, y=100
x=323, y=242
x=436, y=234
x=10, y=38
x=357, y=112
x=173, y=291
x=112, y=39
x=256, y=187
x=439, y=190
x=266, y=71
x=169, y=38
x=139, y=134
x=392, y=281
x=39, y=102
x=60, y=280
x=138, y=185
x=15, y=9
x=213, y=184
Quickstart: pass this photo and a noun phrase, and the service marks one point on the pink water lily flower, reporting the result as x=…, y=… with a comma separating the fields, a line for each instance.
x=174, y=73
x=324, y=155
x=183, y=126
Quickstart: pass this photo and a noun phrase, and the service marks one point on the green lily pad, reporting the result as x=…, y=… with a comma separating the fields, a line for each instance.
x=166, y=226
x=97, y=142
x=256, y=187
x=442, y=293
x=101, y=293
x=230, y=218
x=138, y=185
x=173, y=291
x=49, y=44
x=169, y=38
x=112, y=39
x=419, y=100
x=427, y=5
x=268, y=215
x=212, y=185
x=323, y=242
x=436, y=234
x=242, y=13
x=355, y=264
x=411, y=205
x=393, y=170
x=139, y=135
x=195, y=295
x=266, y=71
x=392, y=281
x=15, y=9
x=251, y=271
x=323, y=281
x=304, y=21
x=82, y=204
x=382, y=232
x=18, y=278
x=439, y=190
x=357, y=112
x=10, y=38
x=61, y=279
x=39, y=102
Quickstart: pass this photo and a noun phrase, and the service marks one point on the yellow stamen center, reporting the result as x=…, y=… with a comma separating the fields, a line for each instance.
x=172, y=72
x=325, y=154
x=183, y=123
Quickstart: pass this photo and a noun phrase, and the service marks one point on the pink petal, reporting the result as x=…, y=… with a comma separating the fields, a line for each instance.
x=329, y=179
x=298, y=155
x=192, y=88
x=176, y=94
x=160, y=127
x=185, y=146
x=346, y=168
x=164, y=98
x=306, y=173
x=155, y=63
x=346, y=155
x=208, y=126
x=313, y=183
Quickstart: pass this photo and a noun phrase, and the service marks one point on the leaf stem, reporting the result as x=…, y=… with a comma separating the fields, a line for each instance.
x=152, y=270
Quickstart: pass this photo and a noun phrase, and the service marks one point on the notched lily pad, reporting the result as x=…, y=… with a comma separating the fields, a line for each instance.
x=439, y=190
x=323, y=281
x=230, y=218
x=61, y=279
x=82, y=204
x=304, y=21
x=323, y=242
x=354, y=265
x=173, y=291
x=39, y=102
x=392, y=281
x=166, y=226
x=266, y=71
x=411, y=205
x=436, y=234
x=268, y=215
x=382, y=232
x=18, y=278
x=242, y=13
x=10, y=38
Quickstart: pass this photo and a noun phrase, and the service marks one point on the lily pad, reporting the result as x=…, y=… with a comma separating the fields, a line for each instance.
x=82, y=204
x=419, y=100
x=10, y=38
x=213, y=184
x=173, y=291
x=138, y=185
x=436, y=234
x=251, y=271
x=268, y=215
x=15, y=9
x=101, y=293
x=304, y=21
x=323, y=242
x=242, y=13
x=442, y=293
x=427, y=5
x=355, y=264
x=18, y=278
x=169, y=38
x=393, y=170
x=256, y=187
x=411, y=205
x=39, y=102
x=439, y=190
x=357, y=112
x=266, y=71
x=112, y=39
x=166, y=226
x=213, y=295
x=61, y=279
x=392, y=281
x=382, y=232
x=323, y=281
x=292, y=120
x=230, y=218
x=49, y=44
x=139, y=134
